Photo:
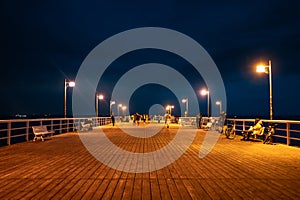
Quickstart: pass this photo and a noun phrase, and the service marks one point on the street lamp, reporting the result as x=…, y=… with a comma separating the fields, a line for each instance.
x=186, y=101
x=98, y=97
x=67, y=84
x=219, y=103
x=268, y=70
x=119, y=106
x=110, y=106
x=169, y=108
x=203, y=93
x=124, y=109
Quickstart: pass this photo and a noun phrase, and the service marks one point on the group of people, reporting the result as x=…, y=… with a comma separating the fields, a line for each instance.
x=137, y=118
x=257, y=129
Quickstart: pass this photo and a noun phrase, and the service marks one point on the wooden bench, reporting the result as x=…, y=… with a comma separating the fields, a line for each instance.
x=85, y=127
x=40, y=131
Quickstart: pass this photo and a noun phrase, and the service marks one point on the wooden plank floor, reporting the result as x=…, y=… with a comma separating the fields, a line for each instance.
x=62, y=168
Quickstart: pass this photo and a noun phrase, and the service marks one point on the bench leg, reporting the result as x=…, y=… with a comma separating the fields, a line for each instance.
x=36, y=137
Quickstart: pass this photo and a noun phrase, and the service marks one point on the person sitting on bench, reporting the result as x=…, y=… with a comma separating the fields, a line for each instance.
x=253, y=130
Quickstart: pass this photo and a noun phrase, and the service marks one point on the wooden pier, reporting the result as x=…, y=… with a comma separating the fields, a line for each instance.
x=62, y=168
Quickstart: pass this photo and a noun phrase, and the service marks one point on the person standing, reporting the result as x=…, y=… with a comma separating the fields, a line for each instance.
x=113, y=120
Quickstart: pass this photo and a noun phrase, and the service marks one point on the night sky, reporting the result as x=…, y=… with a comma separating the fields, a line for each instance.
x=44, y=42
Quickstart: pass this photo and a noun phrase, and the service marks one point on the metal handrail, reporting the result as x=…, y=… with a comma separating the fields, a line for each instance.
x=18, y=128
x=282, y=131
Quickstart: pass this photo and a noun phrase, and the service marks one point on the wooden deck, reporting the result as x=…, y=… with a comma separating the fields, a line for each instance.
x=62, y=168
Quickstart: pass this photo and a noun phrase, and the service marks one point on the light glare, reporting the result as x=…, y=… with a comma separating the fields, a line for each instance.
x=71, y=84
x=261, y=69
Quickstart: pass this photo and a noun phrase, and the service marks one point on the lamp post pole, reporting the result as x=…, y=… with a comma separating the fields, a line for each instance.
x=119, y=106
x=110, y=106
x=66, y=85
x=219, y=103
x=98, y=97
x=206, y=92
x=186, y=101
x=124, y=110
x=208, y=104
x=260, y=69
x=65, y=99
x=171, y=107
x=271, y=90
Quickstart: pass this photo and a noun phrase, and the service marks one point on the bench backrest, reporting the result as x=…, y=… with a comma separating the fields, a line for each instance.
x=37, y=129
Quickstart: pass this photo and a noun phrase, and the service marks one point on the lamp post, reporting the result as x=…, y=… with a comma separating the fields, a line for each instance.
x=219, y=103
x=203, y=93
x=67, y=84
x=98, y=97
x=268, y=70
x=186, y=101
x=124, y=113
x=169, y=108
x=124, y=110
x=110, y=106
x=119, y=106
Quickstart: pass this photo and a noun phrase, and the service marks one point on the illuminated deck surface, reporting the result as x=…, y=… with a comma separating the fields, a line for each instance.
x=62, y=168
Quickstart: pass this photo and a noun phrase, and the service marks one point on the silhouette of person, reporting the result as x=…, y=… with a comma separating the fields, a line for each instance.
x=113, y=120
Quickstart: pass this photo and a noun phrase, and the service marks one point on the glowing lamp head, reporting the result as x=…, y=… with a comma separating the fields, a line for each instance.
x=261, y=69
x=71, y=84
x=218, y=102
x=100, y=97
x=204, y=92
x=183, y=100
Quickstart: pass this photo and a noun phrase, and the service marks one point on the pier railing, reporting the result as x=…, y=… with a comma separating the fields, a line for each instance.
x=19, y=130
x=286, y=131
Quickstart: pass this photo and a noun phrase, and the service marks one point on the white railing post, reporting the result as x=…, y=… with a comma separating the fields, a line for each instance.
x=51, y=124
x=60, y=126
x=67, y=125
x=288, y=140
x=27, y=130
x=8, y=133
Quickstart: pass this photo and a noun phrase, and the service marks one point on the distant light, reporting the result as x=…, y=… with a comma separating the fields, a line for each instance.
x=120, y=105
x=71, y=84
x=218, y=102
x=124, y=108
x=183, y=100
x=112, y=102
